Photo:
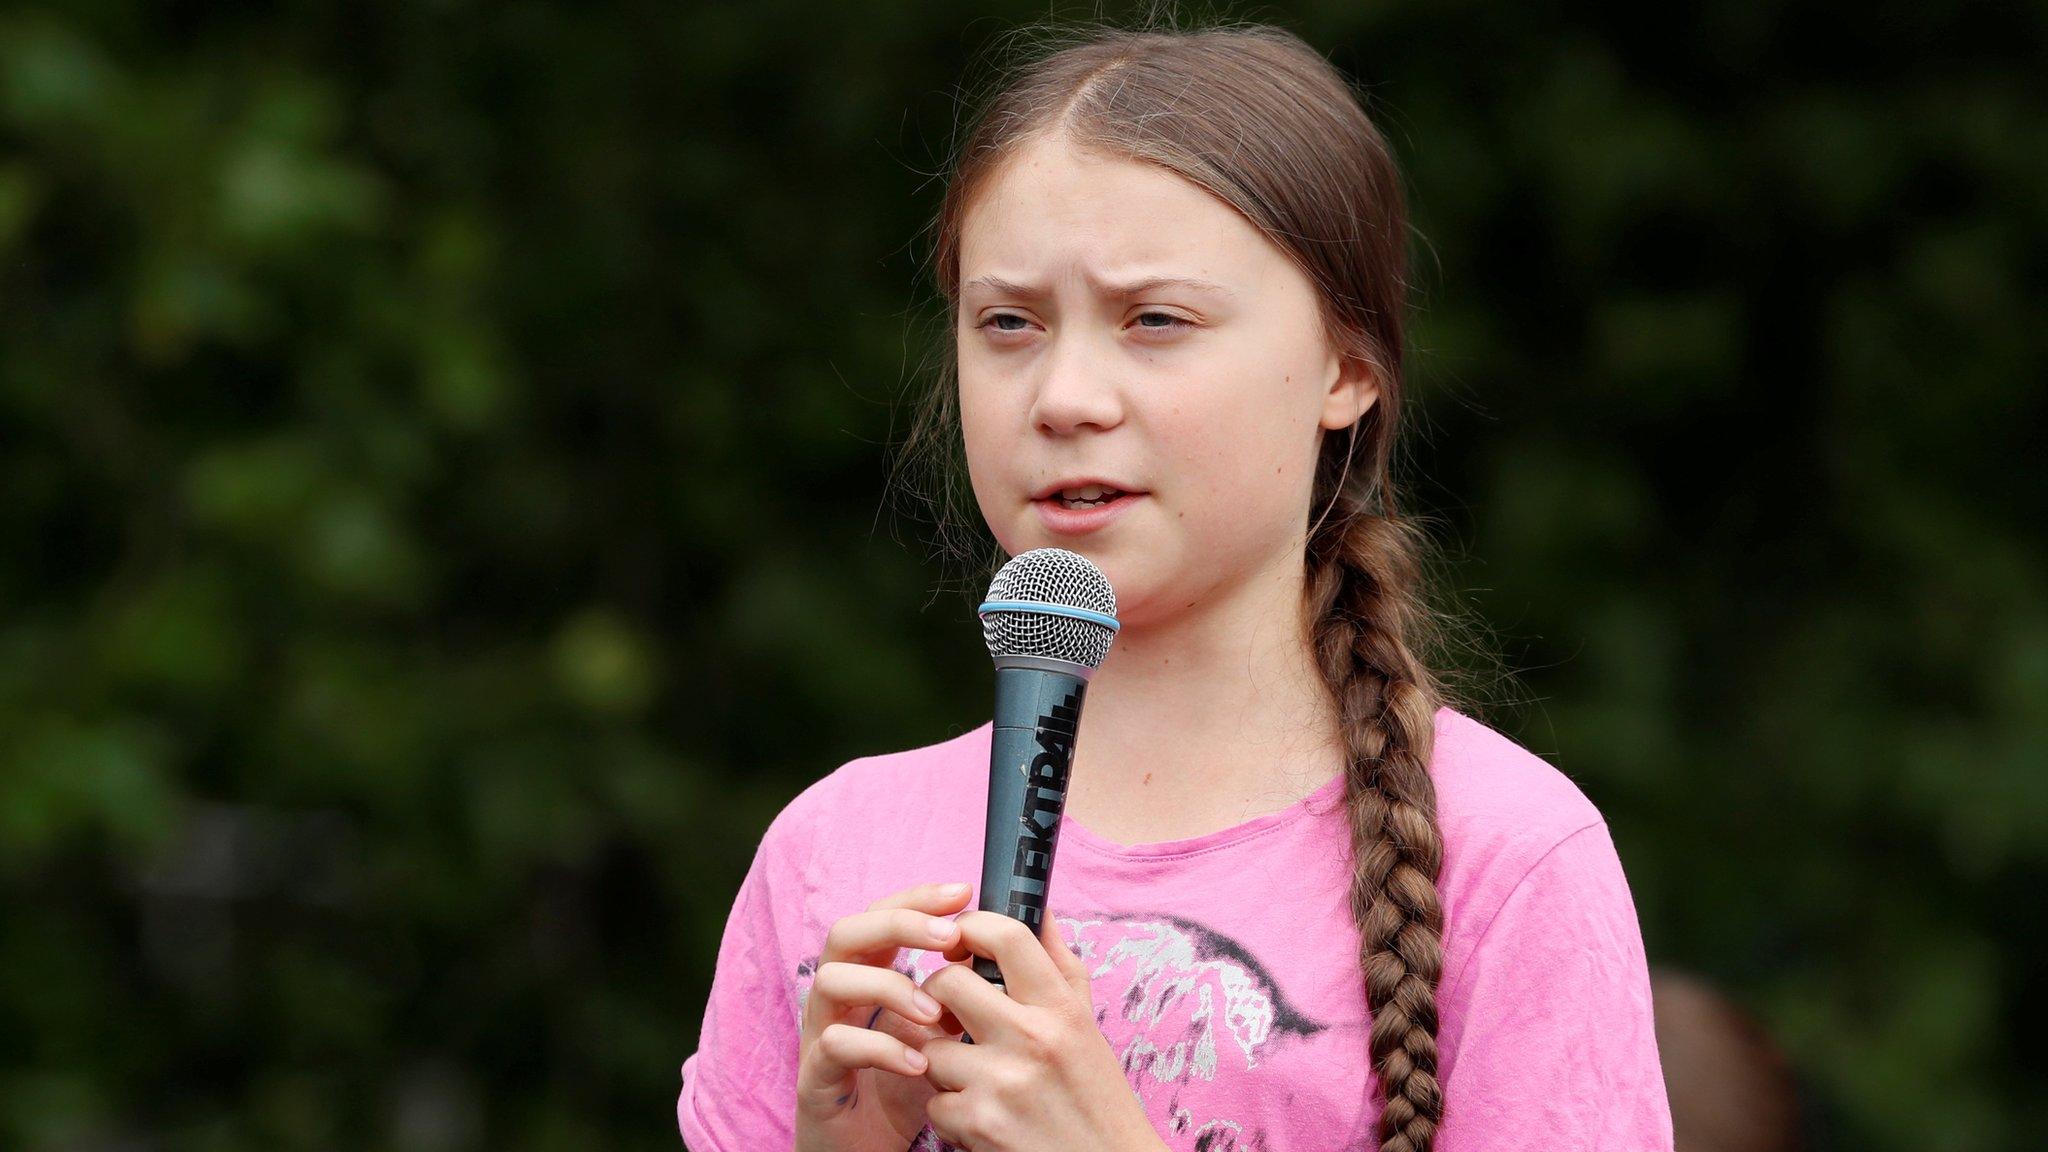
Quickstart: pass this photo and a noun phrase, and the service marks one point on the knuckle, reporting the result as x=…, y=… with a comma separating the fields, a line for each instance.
x=829, y=1040
x=959, y=1118
x=840, y=1041
x=1014, y=1082
x=845, y=983
x=904, y=986
x=1000, y=927
x=835, y=936
x=1038, y=1034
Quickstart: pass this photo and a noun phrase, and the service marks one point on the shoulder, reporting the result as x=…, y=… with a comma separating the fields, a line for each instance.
x=869, y=790
x=1494, y=795
x=1509, y=818
x=948, y=764
x=858, y=831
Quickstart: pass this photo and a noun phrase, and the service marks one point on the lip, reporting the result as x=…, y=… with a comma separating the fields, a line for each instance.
x=1058, y=486
x=1080, y=521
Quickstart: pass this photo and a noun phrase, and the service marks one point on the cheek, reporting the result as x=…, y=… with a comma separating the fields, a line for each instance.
x=988, y=438
x=1224, y=447
x=979, y=432
x=1238, y=468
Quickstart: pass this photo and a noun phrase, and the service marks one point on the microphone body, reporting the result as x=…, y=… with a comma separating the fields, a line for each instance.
x=1048, y=622
x=1031, y=752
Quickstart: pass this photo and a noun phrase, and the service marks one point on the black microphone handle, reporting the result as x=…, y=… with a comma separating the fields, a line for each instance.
x=1038, y=712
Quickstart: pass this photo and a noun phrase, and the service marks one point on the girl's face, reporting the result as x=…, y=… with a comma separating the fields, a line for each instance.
x=1207, y=400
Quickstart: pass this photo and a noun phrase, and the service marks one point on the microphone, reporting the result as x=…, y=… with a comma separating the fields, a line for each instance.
x=1048, y=622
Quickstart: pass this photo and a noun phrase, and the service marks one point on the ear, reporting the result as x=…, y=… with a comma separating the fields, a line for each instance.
x=1353, y=388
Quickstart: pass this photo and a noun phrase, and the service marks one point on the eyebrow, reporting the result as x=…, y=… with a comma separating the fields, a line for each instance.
x=1135, y=287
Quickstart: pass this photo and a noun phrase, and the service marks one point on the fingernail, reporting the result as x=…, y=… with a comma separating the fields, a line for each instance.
x=940, y=930
x=925, y=1003
x=953, y=889
x=915, y=1059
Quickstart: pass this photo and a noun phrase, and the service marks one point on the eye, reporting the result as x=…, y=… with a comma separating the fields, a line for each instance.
x=1174, y=321
x=993, y=317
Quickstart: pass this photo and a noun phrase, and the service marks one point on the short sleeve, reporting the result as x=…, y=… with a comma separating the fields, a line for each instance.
x=1554, y=1043
x=739, y=1086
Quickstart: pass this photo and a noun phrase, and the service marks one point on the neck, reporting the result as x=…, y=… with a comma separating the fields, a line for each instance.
x=1221, y=705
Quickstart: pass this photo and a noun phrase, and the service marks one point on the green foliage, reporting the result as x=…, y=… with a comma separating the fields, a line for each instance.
x=441, y=449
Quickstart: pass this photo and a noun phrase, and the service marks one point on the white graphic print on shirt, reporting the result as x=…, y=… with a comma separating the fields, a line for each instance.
x=1178, y=1003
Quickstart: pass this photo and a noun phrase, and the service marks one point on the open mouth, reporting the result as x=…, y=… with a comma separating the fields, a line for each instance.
x=1108, y=496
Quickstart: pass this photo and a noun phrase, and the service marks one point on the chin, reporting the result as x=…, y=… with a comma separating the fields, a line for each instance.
x=1138, y=598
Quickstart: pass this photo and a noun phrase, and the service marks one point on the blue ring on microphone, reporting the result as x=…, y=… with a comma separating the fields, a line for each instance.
x=988, y=606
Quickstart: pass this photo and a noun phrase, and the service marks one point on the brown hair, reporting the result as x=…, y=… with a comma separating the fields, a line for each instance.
x=1731, y=1087
x=1259, y=119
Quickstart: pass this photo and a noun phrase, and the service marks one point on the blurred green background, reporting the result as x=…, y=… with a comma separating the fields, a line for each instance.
x=442, y=498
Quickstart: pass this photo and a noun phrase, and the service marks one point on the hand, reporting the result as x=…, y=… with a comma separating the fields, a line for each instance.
x=859, y=1082
x=1040, y=1076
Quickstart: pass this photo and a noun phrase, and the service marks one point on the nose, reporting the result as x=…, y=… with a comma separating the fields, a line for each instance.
x=1076, y=389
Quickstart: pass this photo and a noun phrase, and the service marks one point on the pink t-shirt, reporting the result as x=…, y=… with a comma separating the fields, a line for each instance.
x=1224, y=967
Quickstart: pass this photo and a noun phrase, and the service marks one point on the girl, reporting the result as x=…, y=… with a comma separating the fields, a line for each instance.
x=1301, y=902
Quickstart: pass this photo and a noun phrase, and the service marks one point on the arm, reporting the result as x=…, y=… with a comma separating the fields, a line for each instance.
x=739, y=1086
x=1547, y=1027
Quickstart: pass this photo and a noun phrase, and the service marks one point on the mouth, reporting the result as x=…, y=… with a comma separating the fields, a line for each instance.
x=1082, y=495
x=1099, y=500
x=1070, y=513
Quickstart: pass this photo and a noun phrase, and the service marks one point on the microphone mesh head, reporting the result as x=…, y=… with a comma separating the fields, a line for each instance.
x=1050, y=576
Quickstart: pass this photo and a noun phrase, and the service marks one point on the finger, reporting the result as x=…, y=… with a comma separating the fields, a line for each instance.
x=980, y=1008
x=874, y=937
x=841, y=988
x=911, y=1032
x=954, y=1063
x=1028, y=969
x=842, y=1049
x=928, y=897
x=1063, y=955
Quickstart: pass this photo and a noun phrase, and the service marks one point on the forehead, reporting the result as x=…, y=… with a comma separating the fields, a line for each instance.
x=1052, y=209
